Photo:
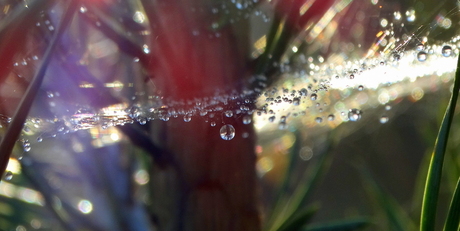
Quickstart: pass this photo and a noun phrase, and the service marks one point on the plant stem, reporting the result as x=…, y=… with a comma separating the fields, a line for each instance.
x=15, y=128
x=433, y=181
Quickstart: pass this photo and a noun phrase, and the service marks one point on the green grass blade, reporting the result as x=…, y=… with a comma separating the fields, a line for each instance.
x=397, y=218
x=453, y=217
x=433, y=181
x=343, y=225
x=300, y=219
x=15, y=128
x=286, y=208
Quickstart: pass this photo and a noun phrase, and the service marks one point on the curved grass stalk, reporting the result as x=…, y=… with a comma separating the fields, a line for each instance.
x=15, y=128
x=433, y=180
x=453, y=217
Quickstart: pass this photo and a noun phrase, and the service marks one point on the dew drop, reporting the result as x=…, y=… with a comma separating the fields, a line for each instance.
x=303, y=92
x=313, y=96
x=360, y=87
x=39, y=139
x=387, y=107
x=247, y=119
x=187, y=118
x=319, y=120
x=420, y=47
x=142, y=120
x=213, y=124
x=383, y=119
x=227, y=132
x=83, y=9
x=26, y=145
x=282, y=126
x=422, y=56
x=271, y=118
x=446, y=51
x=228, y=113
x=331, y=117
x=354, y=114
x=296, y=101
x=8, y=176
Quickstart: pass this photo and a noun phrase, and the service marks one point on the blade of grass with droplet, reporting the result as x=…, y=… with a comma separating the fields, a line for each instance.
x=433, y=181
x=343, y=225
x=15, y=127
x=453, y=217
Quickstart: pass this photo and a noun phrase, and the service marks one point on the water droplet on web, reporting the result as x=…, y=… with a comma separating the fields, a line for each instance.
x=228, y=113
x=142, y=120
x=187, y=118
x=271, y=118
x=296, y=101
x=383, y=119
x=446, y=51
x=422, y=56
x=247, y=119
x=331, y=117
x=227, y=132
x=213, y=124
x=39, y=139
x=83, y=9
x=360, y=87
x=313, y=96
x=319, y=120
x=26, y=145
x=303, y=92
x=387, y=107
x=8, y=176
x=354, y=114
x=420, y=47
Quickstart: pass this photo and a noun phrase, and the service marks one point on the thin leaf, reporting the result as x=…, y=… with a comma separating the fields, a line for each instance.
x=287, y=207
x=433, y=181
x=300, y=219
x=398, y=219
x=343, y=225
x=453, y=217
x=15, y=128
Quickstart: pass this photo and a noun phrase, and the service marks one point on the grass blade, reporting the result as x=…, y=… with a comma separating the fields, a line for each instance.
x=343, y=225
x=300, y=219
x=433, y=181
x=15, y=128
x=396, y=216
x=453, y=217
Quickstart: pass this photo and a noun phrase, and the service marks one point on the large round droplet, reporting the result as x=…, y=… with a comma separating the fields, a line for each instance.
x=422, y=56
x=354, y=114
x=227, y=132
x=446, y=51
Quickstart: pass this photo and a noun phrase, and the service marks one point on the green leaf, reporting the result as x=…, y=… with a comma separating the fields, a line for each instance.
x=300, y=219
x=397, y=218
x=288, y=205
x=453, y=217
x=343, y=225
x=433, y=181
x=15, y=128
